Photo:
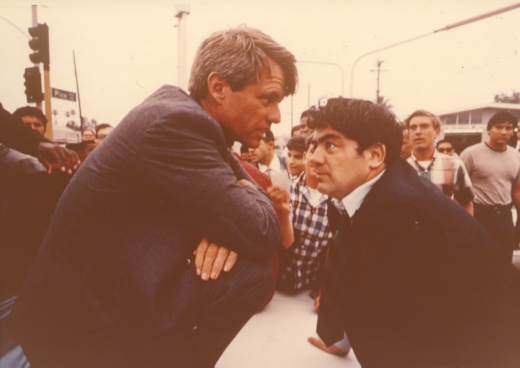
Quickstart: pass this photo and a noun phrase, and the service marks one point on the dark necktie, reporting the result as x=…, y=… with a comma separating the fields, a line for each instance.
x=330, y=317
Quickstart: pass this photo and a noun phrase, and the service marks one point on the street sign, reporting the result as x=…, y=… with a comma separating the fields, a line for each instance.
x=64, y=95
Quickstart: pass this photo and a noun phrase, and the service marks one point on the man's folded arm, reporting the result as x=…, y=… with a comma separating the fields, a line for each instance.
x=194, y=175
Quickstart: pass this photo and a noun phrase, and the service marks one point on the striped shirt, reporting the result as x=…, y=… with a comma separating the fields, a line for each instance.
x=448, y=174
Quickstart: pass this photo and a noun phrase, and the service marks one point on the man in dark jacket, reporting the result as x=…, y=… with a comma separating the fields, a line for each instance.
x=412, y=279
x=115, y=283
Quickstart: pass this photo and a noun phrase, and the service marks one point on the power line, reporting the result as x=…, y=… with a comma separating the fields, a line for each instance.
x=22, y=32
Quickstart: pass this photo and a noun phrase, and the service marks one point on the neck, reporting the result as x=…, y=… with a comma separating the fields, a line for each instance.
x=212, y=111
x=268, y=159
x=424, y=155
x=496, y=146
x=311, y=181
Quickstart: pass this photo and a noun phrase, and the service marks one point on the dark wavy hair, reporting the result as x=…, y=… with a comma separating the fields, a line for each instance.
x=502, y=117
x=363, y=121
x=31, y=111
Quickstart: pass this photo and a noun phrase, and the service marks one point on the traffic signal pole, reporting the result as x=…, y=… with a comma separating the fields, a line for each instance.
x=35, y=24
x=48, y=109
x=40, y=43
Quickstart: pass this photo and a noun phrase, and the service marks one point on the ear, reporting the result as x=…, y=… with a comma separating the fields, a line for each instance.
x=271, y=145
x=217, y=87
x=376, y=155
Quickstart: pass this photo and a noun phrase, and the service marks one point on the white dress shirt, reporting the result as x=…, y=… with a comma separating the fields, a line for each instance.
x=351, y=202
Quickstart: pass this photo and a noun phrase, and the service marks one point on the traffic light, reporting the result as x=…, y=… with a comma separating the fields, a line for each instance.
x=40, y=44
x=33, y=85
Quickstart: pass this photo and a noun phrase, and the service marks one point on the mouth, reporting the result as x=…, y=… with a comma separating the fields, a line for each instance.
x=319, y=175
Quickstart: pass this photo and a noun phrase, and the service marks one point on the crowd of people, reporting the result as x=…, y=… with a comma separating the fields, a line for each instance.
x=155, y=245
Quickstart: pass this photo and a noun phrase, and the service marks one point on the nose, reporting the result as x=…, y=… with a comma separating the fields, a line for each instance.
x=274, y=115
x=317, y=158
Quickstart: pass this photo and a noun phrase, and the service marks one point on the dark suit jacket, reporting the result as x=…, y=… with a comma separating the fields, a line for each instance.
x=420, y=282
x=125, y=230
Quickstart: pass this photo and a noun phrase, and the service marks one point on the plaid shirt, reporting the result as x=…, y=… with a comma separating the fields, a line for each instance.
x=448, y=174
x=300, y=264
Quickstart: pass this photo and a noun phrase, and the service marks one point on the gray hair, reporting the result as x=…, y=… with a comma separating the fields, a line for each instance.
x=240, y=55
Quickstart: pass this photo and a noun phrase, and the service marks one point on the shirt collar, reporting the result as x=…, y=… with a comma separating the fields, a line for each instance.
x=435, y=155
x=275, y=165
x=353, y=201
x=314, y=197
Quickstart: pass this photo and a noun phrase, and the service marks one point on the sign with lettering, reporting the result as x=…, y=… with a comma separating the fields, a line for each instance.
x=64, y=95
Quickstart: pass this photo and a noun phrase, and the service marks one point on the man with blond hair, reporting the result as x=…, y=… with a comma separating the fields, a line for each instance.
x=132, y=293
x=446, y=172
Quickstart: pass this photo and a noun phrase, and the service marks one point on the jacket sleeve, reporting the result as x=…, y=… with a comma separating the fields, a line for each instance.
x=182, y=159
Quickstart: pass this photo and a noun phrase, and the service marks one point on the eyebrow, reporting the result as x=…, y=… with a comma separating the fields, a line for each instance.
x=326, y=137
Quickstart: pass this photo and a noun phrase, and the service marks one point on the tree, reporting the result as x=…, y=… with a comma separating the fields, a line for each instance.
x=385, y=102
x=502, y=98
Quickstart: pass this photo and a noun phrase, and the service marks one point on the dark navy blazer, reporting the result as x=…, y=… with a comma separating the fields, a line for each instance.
x=126, y=227
x=417, y=282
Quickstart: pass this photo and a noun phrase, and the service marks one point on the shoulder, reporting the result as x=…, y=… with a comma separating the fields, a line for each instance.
x=169, y=101
x=513, y=152
x=170, y=112
x=402, y=190
x=471, y=150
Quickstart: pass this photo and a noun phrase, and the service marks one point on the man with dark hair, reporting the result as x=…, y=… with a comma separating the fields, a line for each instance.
x=446, y=172
x=265, y=158
x=412, y=279
x=132, y=293
x=296, y=130
x=102, y=130
x=88, y=135
x=407, y=147
x=494, y=169
x=33, y=117
x=445, y=146
x=296, y=148
x=15, y=135
x=304, y=120
x=244, y=153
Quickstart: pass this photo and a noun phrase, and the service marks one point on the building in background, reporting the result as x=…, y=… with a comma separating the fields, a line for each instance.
x=467, y=127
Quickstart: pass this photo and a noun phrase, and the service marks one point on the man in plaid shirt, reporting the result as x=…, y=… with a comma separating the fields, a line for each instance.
x=446, y=172
x=300, y=263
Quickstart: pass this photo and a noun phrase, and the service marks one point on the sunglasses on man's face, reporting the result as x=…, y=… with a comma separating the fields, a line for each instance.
x=445, y=150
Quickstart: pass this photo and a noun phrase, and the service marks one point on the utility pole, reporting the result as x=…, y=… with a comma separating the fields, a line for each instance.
x=181, y=13
x=446, y=28
x=77, y=88
x=378, y=63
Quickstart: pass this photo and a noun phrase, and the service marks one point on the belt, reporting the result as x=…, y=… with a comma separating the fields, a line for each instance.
x=496, y=209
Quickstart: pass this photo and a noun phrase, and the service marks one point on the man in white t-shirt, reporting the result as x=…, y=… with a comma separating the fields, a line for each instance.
x=494, y=169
